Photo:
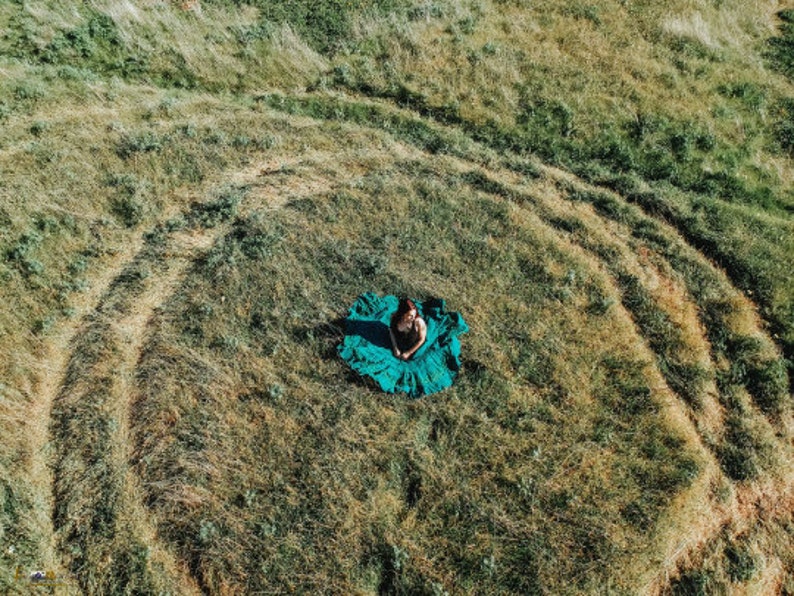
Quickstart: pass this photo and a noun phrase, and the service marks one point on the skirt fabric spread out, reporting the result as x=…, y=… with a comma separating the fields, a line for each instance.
x=367, y=348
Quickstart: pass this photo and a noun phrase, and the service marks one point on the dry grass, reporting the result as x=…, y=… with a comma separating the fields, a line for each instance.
x=213, y=423
x=600, y=58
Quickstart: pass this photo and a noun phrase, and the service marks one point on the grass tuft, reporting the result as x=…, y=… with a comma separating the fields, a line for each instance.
x=780, y=50
x=219, y=210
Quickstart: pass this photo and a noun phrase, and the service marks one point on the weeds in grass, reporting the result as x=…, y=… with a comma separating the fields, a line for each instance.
x=144, y=142
x=324, y=24
x=739, y=455
x=95, y=46
x=20, y=254
x=742, y=564
x=216, y=211
x=29, y=92
x=696, y=583
x=751, y=95
x=784, y=130
x=656, y=147
x=780, y=50
x=729, y=562
x=583, y=11
x=128, y=210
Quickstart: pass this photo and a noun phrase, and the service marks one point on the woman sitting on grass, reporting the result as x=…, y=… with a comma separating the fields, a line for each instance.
x=407, y=330
x=403, y=345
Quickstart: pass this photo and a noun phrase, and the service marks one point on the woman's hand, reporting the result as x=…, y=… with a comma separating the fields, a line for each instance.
x=397, y=353
x=404, y=356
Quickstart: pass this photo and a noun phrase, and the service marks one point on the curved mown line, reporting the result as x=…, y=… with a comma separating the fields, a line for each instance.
x=656, y=324
x=738, y=408
x=766, y=378
x=54, y=369
x=750, y=372
x=728, y=319
x=750, y=513
x=109, y=545
x=96, y=488
x=720, y=303
x=272, y=188
x=718, y=518
x=103, y=529
x=687, y=379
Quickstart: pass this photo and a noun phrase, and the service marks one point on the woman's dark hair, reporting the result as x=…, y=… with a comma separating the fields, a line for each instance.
x=405, y=305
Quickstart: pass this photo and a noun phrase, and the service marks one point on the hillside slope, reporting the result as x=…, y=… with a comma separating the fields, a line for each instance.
x=192, y=193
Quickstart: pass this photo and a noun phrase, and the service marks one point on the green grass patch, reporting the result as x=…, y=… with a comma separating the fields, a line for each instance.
x=326, y=25
x=216, y=211
x=92, y=47
x=412, y=130
x=780, y=49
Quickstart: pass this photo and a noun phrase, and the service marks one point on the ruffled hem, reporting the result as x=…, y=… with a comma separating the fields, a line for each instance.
x=367, y=348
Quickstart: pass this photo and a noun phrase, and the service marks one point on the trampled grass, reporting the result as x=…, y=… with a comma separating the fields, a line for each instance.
x=192, y=193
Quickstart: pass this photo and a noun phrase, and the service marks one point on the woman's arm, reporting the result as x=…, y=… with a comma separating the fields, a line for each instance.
x=422, y=336
x=394, y=349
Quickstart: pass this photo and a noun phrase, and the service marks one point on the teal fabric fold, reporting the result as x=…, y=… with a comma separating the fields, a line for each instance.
x=367, y=349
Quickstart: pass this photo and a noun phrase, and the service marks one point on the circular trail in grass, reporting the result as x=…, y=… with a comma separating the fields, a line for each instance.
x=571, y=453
x=261, y=454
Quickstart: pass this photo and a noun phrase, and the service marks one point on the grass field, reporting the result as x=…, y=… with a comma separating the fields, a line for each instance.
x=193, y=193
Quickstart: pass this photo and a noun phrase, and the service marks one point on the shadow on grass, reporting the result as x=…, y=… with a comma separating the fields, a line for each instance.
x=475, y=368
x=328, y=335
x=373, y=332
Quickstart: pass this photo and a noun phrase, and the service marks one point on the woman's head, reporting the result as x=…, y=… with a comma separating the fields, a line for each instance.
x=405, y=307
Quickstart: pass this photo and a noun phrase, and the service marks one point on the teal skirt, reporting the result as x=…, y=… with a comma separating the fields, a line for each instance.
x=367, y=347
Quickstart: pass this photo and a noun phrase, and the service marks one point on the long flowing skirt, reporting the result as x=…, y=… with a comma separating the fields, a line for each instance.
x=367, y=348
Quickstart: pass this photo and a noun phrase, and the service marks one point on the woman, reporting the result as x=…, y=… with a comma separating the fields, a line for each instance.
x=423, y=356
x=407, y=330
